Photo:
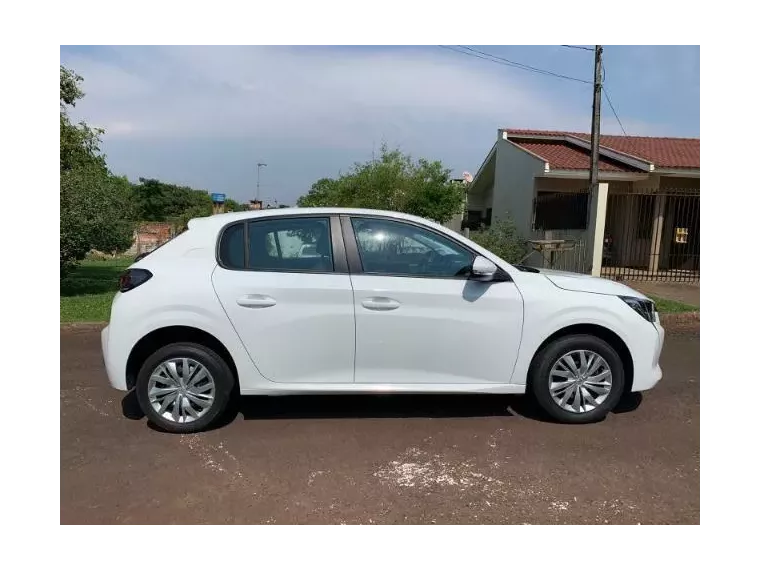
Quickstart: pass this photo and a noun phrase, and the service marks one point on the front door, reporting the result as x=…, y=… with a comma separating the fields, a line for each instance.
x=419, y=319
x=285, y=292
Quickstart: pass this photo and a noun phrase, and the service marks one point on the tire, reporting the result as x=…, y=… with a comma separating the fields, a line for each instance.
x=584, y=389
x=185, y=393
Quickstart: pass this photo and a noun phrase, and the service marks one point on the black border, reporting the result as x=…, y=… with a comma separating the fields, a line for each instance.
x=355, y=263
x=346, y=259
x=352, y=249
x=340, y=264
x=340, y=261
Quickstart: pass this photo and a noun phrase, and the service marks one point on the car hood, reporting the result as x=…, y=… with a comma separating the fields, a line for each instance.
x=588, y=284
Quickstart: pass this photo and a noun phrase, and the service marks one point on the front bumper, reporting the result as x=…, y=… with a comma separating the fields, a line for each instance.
x=647, y=371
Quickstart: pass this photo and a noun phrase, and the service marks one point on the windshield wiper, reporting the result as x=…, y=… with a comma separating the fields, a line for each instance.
x=527, y=268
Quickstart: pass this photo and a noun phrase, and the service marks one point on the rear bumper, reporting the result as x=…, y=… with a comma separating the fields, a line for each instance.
x=647, y=371
x=116, y=367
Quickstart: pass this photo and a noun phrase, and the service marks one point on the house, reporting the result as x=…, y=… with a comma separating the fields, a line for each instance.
x=642, y=224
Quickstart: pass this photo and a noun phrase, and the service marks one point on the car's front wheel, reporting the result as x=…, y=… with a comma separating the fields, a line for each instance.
x=577, y=379
x=184, y=387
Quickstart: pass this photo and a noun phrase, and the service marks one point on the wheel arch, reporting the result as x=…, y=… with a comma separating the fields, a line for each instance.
x=599, y=331
x=157, y=338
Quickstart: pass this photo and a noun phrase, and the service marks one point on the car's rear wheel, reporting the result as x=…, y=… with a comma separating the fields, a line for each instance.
x=577, y=379
x=184, y=387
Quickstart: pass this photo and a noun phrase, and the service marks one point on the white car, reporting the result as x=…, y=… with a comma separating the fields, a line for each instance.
x=388, y=303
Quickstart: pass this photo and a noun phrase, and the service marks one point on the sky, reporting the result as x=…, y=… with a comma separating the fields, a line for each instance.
x=204, y=116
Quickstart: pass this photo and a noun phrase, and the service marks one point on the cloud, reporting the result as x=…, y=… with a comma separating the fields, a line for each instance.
x=201, y=115
x=320, y=95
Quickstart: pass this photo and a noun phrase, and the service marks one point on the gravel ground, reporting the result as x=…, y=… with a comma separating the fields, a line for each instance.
x=380, y=459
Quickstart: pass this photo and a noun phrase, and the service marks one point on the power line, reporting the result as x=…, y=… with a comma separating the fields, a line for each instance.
x=578, y=47
x=607, y=96
x=509, y=63
x=524, y=66
x=513, y=63
x=614, y=112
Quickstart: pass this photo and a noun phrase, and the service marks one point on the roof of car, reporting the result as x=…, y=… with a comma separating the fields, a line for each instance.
x=223, y=219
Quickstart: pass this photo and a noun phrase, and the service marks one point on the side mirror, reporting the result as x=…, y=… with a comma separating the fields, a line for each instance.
x=482, y=269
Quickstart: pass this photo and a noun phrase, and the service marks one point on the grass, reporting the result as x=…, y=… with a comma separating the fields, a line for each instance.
x=665, y=306
x=87, y=292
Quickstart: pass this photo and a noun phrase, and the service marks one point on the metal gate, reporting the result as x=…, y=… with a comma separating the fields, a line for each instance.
x=652, y=235
x=559, y=231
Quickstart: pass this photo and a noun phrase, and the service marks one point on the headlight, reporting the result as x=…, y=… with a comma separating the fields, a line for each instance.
x=644, y=307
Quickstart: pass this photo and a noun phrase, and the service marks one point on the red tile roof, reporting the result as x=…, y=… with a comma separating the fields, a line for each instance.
x=564, y=156
x=663, y=152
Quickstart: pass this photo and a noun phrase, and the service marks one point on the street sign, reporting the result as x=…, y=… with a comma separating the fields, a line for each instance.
x=218, y=198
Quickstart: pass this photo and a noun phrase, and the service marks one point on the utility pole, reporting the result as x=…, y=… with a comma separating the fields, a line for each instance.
x=597, y=194
x=595, y=120
x=258, y=178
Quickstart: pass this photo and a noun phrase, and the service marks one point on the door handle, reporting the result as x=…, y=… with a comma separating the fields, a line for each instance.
x=380, y=304
x=256, y=301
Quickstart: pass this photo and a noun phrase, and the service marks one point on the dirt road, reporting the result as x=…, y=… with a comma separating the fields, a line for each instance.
x=380, y=459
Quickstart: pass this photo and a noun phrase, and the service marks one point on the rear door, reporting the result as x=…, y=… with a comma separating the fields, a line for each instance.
x=284, y=284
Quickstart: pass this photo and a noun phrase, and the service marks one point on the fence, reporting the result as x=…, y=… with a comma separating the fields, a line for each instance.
x=560, y=216
x=652, y=235
x=574, y=255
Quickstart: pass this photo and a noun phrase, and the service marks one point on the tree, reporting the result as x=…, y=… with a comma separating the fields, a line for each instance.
x=231, y=205
x=80, y=144
x=95, y=214
x=502, y=239
x=158, y=201
x=393, y=182
x=96, y=211
x=180, y=222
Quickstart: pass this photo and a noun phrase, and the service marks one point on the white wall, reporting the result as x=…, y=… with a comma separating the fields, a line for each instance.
x=514, y=184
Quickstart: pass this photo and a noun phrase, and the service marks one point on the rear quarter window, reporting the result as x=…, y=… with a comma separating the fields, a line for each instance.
x=232, y=247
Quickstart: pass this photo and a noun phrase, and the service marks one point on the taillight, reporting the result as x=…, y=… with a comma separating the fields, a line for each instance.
x=132, y=278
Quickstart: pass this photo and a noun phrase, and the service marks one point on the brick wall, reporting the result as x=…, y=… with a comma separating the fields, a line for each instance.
x=149, y=235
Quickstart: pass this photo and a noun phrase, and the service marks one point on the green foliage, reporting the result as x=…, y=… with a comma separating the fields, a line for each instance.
x=231, y=205
x=672, y=306
x=88, y=290
x=158, y=201
x=79, y=146
x=70, y=90
x=96, y=211
x=199, y=211
x=394, y=182
x=502, y=239
x=79, y=143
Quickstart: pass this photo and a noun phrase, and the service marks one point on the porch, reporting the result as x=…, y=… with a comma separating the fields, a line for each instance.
x=652, y=235
x=648, y=233
x=641, y=224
